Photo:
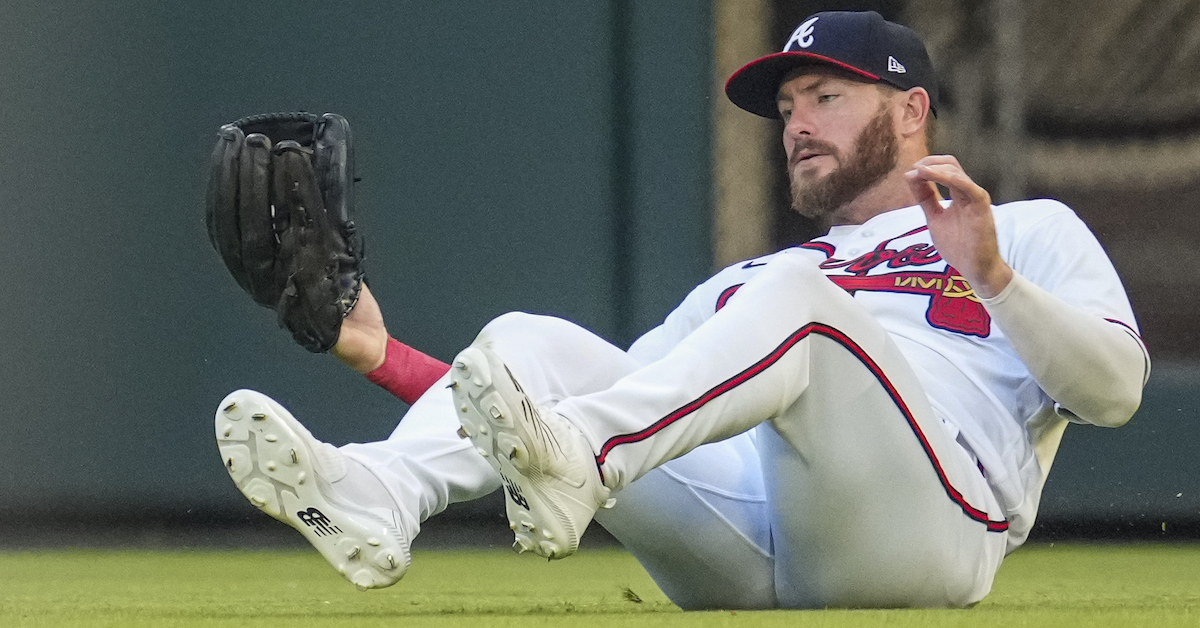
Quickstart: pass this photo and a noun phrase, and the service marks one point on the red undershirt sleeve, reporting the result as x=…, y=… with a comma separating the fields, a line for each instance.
x=406, y=372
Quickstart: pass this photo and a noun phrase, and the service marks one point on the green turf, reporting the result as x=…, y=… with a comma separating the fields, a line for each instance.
x=1064, y=585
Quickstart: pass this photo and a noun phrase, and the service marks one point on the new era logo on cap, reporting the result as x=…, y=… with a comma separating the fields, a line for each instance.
x=894, y=65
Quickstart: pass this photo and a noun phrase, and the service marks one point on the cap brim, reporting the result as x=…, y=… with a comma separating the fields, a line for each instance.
x=755, y=87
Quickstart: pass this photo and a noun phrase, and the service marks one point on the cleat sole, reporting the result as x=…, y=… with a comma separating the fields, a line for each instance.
x=539, y=525
x=252, y=451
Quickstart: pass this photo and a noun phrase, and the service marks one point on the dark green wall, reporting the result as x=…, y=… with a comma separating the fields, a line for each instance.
x=548, y=157
x=1140, y=477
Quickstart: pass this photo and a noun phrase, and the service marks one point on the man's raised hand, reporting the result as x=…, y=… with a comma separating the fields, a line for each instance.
x=964, y=232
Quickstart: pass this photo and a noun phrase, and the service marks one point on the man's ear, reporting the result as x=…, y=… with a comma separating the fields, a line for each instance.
x=914, y=113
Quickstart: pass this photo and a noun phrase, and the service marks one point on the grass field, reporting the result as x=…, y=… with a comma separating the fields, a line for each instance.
x=1055, y=585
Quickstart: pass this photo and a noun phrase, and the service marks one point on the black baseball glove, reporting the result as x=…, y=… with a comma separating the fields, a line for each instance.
x=280, y=200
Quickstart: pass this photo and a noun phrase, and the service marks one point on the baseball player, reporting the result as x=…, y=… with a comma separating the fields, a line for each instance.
x=866, y=420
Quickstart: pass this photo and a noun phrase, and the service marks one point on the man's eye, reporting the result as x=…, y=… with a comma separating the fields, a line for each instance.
x=826, y=97
x=785, y=114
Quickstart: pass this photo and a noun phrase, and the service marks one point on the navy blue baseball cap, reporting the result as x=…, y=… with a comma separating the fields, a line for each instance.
x=860, y=42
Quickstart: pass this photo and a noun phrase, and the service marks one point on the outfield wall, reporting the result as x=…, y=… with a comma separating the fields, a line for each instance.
x=547, y=157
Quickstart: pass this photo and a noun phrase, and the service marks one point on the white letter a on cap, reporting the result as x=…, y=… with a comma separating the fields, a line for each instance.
x=803, y=35
x=894, y=66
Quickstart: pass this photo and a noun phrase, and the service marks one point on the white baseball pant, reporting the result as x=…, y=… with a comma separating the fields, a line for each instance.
x=826, y=479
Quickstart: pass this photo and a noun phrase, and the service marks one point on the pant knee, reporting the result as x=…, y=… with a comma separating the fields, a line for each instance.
x=507, y=323
x=515, y=330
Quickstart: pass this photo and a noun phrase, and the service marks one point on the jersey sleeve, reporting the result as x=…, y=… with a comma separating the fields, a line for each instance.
x=1061, y=255
x=1069, y=319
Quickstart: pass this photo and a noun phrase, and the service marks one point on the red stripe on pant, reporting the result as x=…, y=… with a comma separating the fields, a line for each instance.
x=829, y=332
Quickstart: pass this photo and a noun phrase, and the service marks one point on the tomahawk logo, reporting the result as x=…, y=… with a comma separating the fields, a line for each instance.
x=803, y=35
x=514, y=492
x=314, y=518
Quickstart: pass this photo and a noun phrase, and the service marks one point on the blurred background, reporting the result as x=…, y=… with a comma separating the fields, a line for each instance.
x=573, y=158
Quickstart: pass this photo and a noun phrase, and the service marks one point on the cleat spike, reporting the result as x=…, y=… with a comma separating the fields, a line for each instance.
x=512, y=454
x=452, y=385
x=270, y=465
x=548, y=535
x=258, y=416
x=391, y=560
x=373, y=542
x=228, y=430
x=609, y=503
x=301, y=477
x=482, y=452
x=229, y=408
x=229, y=465
x=354, y=552
x=270, y=438
x=462, y=432
x=495, y=412
x=295, y=457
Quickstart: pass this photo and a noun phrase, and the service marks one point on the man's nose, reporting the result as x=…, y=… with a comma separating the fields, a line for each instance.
x=798, y=124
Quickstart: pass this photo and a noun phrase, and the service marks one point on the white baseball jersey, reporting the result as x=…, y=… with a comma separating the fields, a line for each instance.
x=983, y=392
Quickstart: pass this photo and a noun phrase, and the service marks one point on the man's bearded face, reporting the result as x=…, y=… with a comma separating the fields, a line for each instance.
x=873, y=156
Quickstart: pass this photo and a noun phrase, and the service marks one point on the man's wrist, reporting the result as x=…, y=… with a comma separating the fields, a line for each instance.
x=994, y=282
x=364, y=363
x=406, y=372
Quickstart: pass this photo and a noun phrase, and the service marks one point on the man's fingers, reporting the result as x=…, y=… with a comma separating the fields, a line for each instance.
x=925, y=192
x=921, y=186
x=932, y=160
x=945, y=174
x=953, y=177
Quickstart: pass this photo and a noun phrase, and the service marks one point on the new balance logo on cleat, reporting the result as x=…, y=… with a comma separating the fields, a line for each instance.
x=314, y=518
x=514, y=493
x=894, y=66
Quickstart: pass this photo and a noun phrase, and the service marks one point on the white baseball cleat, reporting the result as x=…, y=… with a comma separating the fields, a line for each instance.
x=286, y=473
x=547, y=466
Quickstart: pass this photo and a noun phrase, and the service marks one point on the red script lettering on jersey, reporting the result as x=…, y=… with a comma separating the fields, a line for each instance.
x=953, y=305
x=920, y=254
